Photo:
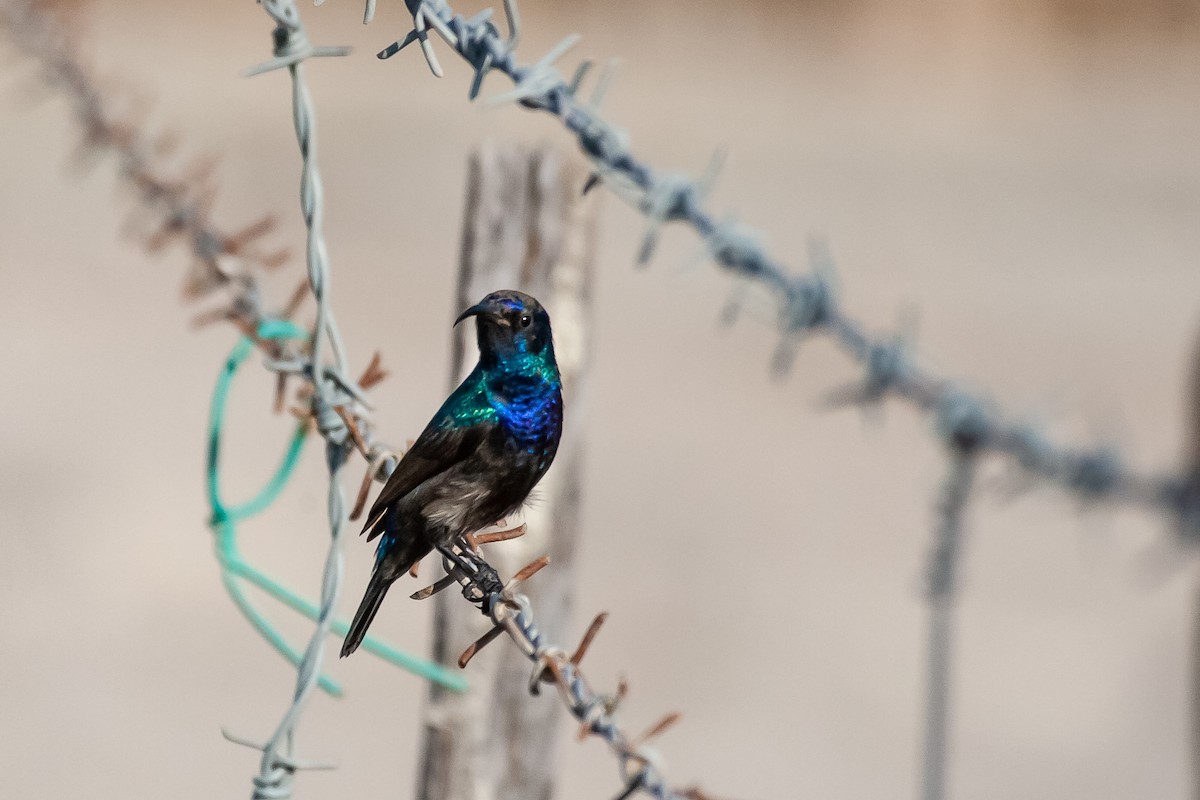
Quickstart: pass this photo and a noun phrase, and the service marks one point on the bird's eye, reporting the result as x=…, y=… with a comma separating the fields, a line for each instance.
x=526, y=320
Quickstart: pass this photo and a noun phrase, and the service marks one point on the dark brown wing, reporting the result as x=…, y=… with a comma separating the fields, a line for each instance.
x=436, y=450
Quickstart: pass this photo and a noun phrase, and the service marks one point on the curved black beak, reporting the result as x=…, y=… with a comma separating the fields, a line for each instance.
x=474, y=310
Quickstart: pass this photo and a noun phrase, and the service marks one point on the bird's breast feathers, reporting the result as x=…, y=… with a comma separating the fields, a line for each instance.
x=528, y=407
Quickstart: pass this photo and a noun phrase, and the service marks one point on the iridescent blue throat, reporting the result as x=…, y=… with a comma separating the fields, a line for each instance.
x=521, y=391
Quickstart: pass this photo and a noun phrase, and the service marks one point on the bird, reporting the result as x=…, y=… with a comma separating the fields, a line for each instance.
x=479, y=457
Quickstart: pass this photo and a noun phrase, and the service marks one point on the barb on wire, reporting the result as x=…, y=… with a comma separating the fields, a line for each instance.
x=663, y=202
x=511, y=613
x=435, y=14
x=805, y=303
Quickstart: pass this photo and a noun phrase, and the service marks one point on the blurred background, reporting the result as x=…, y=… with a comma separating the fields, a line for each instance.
x=1024, y=175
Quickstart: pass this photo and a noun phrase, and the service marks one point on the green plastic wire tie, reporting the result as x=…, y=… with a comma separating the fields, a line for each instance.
x=224, y=521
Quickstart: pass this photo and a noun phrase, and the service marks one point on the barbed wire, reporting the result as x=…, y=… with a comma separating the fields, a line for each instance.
x=181, y=207
x=337, y=403
x=511, y=613
x=806, y=304
x=178, y=208
x=480, y=581
x=331, y=390
x=970, y=424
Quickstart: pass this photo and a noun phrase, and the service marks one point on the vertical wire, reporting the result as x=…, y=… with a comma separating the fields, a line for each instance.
x=275, y=775
x=942, y=577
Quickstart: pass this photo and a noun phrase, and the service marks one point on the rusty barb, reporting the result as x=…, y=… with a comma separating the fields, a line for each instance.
x=511, y=613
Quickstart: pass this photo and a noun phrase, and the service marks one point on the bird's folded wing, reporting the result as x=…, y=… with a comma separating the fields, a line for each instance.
x=438, y=448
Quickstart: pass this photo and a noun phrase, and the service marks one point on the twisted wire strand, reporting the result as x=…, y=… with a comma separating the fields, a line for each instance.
x=804, y=303
x=942, y=583
x=277, y=767
x=512, y=613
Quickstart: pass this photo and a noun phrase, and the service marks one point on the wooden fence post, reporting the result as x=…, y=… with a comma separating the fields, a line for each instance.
x=526, y=226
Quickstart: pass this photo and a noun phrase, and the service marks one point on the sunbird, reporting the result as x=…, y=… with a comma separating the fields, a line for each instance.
x=481, y=454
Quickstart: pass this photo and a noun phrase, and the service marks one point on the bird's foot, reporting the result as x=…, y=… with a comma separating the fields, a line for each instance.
x=479, y=579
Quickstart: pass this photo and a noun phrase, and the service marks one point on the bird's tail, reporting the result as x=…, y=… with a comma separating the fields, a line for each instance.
x=390, y=567
x=376, y=591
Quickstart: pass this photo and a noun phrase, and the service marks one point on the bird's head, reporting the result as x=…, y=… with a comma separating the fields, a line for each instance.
x=510, y=324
